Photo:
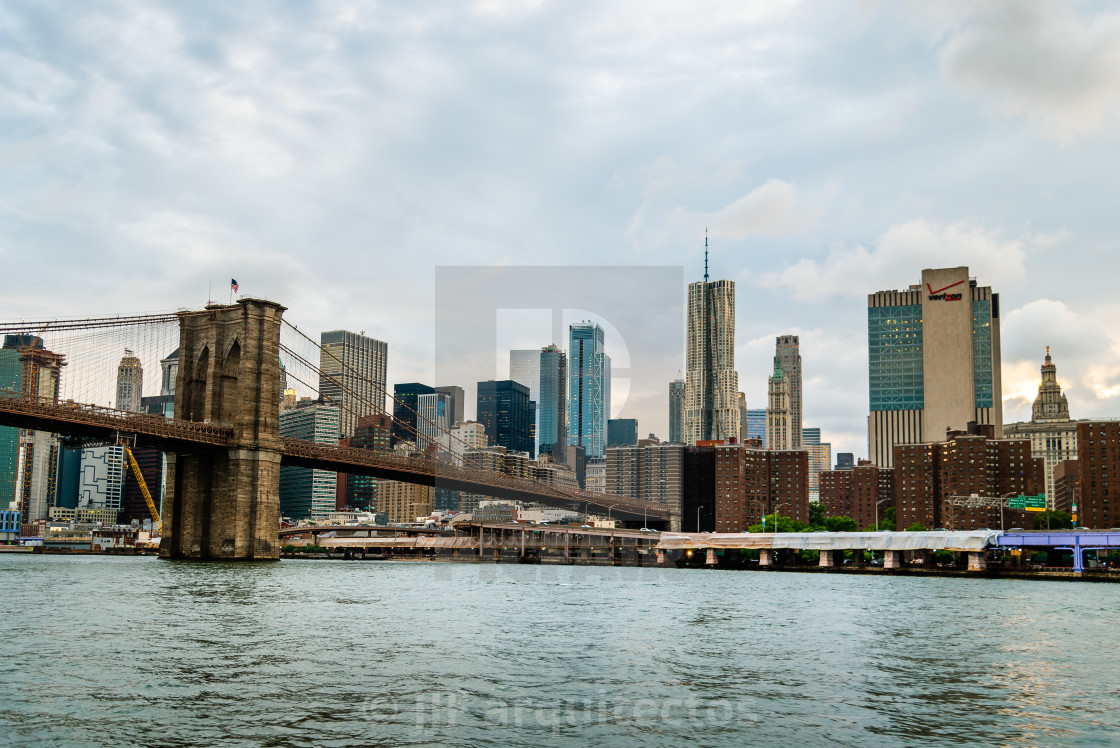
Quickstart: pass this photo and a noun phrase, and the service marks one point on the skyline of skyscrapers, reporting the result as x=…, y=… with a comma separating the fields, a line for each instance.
x=589, y=388
x=711, y=382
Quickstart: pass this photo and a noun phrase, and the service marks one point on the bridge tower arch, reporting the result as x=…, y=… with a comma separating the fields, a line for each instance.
x=225, y=504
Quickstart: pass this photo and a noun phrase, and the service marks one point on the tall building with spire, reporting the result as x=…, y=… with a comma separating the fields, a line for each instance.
x=788, y=350
x=711, y=382
x=1052, y=433
x=778, y=419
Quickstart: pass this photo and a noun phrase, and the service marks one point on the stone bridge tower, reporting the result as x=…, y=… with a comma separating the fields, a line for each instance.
x=225, y=504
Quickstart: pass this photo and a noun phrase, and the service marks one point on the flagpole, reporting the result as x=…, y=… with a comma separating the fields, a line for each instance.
x=209, y=291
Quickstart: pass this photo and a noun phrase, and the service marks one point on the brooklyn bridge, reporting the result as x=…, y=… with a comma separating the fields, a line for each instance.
x=223, y=444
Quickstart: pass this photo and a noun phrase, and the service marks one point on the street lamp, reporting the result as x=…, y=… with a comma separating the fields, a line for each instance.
x=878, y=504
x=609, y=508
x=780, y=503
x=698, y=518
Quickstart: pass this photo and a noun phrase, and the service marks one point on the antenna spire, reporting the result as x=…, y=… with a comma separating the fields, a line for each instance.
x=705, y=254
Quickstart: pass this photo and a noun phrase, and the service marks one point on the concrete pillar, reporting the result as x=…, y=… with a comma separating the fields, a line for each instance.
x=224, y=504
x=827, y=559
x=977, y=561
x=660, y=556
x=892, y=560
x=766, y=557
x=711, y=560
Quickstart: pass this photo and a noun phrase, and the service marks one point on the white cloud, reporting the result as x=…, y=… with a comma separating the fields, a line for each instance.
x=896, y=258
x=1038, y=59
x=772, y=208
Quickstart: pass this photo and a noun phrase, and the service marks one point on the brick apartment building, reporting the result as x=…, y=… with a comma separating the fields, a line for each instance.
x=862, y=492
x=752, y=482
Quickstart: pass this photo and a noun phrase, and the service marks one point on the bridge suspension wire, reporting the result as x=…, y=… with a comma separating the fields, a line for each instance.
x=105, y=361
x=378, y=390
x=420, y=437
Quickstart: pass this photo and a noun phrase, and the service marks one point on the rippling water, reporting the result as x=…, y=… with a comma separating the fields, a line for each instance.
x=135, y=651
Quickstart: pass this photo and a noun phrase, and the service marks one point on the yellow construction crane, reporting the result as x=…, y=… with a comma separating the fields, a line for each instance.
x=156, y=524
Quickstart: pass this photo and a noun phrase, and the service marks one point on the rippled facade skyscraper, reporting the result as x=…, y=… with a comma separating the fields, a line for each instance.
x=711, y=382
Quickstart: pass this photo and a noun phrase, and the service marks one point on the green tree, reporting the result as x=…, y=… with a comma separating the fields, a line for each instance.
x=916, y=527
x=783, y=524
x=817, y=512
x=886, y=522
x=840, y=524
x=1049, y=520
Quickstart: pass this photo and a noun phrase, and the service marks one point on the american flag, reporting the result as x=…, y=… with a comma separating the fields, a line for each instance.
x=233, y=285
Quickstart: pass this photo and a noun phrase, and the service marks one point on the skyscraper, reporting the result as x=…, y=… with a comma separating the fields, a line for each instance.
x=711, y=382
x=622, y=432
x=433, y=416
x=11, y=379
x=406, y=402
x=37, y=476
x=777, y=410
x=130, y=382
x=741, y=404
x=352, y=375
x=552, y=408
x=525, y=367
x=589, y=388
x=788, y=350
x=503, y=410
x=308, y=493
x=756, y=424
x=457, y=400
x=934, y=361
x=1052, y=432
x=676, y=411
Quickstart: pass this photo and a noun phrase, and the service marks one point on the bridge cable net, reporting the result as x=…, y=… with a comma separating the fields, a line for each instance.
x=299, y=352
x=110, y=362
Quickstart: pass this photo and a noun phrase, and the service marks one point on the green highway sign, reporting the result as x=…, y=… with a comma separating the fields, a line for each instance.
x=1030, y=503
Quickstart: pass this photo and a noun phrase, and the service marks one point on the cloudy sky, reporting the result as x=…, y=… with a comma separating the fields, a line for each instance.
x=333, y=155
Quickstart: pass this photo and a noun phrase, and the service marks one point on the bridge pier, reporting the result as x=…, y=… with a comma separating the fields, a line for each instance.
x=766, y=557
x=892, y=559
x=977, y=561
x=711, y=559
x=225, y=504
x=827, y=559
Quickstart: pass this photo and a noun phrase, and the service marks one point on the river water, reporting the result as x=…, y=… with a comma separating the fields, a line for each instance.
x=101, y=650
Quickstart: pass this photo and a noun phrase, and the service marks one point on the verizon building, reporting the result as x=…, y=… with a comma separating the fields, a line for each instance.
x=934, y=361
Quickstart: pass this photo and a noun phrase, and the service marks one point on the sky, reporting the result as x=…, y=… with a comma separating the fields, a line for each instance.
x=333, y=156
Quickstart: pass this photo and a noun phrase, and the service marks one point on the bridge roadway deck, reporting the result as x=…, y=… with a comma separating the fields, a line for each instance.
x=105, y=424
x=156, y=432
